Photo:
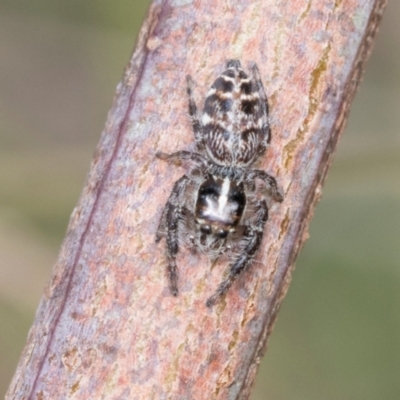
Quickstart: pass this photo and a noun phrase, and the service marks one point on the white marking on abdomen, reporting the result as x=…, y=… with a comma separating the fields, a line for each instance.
x=206, y=119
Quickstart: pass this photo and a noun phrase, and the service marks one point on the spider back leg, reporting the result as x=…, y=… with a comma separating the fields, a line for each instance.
x=194, y=115
x=256, y=78
x=180, y=156
x=269, y=180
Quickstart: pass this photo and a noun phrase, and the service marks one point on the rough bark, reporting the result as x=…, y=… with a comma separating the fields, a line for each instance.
x=107, y=326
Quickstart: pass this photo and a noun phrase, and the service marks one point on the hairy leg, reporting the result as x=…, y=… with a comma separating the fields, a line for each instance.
x=253, y=238
x=269, y=181
x=182, y=155
x=172, y=213
x=256, y=78
x=194, y=115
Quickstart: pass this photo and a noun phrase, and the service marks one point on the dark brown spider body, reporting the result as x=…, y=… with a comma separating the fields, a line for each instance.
x=235, y=124
x=217, y=201
x=219, y=206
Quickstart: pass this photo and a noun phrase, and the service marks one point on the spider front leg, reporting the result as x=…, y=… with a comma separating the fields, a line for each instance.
x=252, y=237
x=162, y=224
x=172, y=214
x=172, y=246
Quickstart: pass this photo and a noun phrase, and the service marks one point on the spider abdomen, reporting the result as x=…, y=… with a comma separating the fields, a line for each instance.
x=233, y=118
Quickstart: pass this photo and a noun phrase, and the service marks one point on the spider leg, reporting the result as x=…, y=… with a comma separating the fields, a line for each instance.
x=180, y=156
x=269, y=181
x=256, y=78
x=194, y=115
x=252, y=238
x=172, y=214
x=162, y=224
x=172, y=247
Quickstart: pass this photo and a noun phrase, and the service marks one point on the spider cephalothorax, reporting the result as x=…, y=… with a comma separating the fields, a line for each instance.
x=217, y=207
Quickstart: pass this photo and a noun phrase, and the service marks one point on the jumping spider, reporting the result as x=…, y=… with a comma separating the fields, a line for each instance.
x=217, y=207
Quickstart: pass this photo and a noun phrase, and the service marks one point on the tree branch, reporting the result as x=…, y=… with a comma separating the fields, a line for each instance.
x=107, y=325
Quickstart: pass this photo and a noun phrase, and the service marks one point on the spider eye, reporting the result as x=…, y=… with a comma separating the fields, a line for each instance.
x=206, y=229
x=221, y=234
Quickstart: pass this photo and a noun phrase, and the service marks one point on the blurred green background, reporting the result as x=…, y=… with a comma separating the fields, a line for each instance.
x=338, y=333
